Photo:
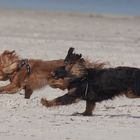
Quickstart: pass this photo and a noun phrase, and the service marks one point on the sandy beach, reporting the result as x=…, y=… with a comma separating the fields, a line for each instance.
x=47, y=36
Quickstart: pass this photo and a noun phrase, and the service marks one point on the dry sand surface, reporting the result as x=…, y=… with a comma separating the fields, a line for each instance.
x=48, y=36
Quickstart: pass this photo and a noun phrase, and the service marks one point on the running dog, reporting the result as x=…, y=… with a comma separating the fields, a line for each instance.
x=27, y=74
x=92, y=84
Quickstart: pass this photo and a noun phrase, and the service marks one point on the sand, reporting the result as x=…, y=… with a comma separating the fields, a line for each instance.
x=47, y=36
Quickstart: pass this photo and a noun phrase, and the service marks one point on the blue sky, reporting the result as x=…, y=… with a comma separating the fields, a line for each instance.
x=128, y=7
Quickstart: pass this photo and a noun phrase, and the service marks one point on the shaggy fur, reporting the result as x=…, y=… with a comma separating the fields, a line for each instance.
x=93, y=84
x=39, y=77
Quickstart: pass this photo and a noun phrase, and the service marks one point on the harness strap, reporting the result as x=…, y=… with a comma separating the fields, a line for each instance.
x=24, y=62
x=86, y=90
x=87, y=85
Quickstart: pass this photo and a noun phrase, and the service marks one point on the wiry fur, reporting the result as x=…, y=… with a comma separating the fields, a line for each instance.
x=95, y=84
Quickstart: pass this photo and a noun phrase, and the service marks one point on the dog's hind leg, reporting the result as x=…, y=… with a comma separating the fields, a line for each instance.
x=28, y=92
x=130, y=94
x=62, y=100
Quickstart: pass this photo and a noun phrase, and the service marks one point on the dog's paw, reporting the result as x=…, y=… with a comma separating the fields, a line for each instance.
x=46, y=103
x=43, y=101
x=86, y=114
x=77, y=114
x=1, y=90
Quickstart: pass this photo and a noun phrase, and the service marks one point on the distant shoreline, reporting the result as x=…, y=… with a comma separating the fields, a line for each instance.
x=68, y=13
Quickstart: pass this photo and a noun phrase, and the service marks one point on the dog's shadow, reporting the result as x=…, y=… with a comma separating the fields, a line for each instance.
x=100, y=115
x=122, y=115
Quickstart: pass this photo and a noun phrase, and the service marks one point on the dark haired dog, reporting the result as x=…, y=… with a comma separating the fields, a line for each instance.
x=94, y=85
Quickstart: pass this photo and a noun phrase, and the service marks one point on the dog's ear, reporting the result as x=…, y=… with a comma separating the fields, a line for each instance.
x=9, y=52
x=7, y=56
x=72, y=57
x=9, y=69
x=69, y=54
x=70, y=51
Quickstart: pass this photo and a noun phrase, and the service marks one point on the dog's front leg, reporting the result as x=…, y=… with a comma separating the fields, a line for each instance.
x=90, y=105
x=9, y=89
x=28, y=92
x=62, y=100
x=89, y=108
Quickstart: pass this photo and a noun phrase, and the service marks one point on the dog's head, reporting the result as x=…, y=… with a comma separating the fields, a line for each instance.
x=72, y=57
x=8, y=63
x=73, y=66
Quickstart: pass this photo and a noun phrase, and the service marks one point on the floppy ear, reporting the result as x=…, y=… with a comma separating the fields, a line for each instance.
x=7, y=55
x=9, y=69
x=9, y=52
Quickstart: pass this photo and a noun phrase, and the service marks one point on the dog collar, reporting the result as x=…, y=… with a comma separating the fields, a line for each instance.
x=24, y=62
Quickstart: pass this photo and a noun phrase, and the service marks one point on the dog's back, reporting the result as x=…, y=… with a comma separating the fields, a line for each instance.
x=108, y=83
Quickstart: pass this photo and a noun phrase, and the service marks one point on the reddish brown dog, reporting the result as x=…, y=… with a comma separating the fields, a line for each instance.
x=39, y=76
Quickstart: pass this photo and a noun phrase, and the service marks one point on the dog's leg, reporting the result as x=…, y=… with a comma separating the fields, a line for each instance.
x=13, y=87
x=9, y=89
x=62, y=100
x=28, y=92
x=131, y=95
x=90, y=105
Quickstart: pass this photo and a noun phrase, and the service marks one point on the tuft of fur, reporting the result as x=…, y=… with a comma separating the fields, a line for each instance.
x=94, y=64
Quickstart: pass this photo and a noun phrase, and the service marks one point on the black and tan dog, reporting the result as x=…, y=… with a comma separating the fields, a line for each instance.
x=94, y=85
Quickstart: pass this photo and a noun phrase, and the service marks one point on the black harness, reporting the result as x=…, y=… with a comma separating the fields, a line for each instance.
x=81, y=80
x=87, y=85
x=24, y=63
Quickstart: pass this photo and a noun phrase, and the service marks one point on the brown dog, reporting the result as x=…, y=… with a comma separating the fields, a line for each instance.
x=28, y=75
